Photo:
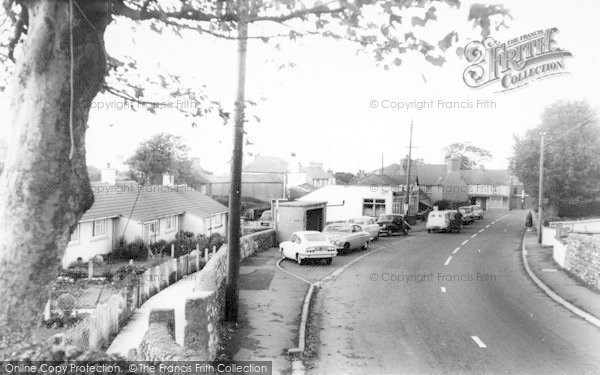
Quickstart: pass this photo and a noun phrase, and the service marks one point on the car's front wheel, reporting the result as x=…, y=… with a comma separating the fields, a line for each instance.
x=299, y=259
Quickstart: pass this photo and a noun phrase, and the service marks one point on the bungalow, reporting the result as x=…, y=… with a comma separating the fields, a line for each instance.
x=147, y=213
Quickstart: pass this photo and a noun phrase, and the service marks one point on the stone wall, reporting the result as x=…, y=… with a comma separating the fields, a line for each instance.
x=159, y=343
x=583, y=258
x=204, y=310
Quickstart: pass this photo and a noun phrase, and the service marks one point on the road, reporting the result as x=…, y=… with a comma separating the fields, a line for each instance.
x=445, y=303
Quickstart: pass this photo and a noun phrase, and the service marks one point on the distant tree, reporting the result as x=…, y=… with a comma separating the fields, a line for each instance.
x=343, y=178
x=94, y=173
x=163, y=153
x=571, y=164
x=470, y=156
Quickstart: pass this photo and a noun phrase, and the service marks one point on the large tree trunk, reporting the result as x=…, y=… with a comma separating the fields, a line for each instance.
x=43, y=191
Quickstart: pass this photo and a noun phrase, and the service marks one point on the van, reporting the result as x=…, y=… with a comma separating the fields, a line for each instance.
x=444, y=221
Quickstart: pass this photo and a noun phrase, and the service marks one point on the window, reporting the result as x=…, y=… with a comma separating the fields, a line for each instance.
x=373, y=207
x=171, y=222
x=217, y=221
x=515, y=191
x=99, y=228
x=75, y=234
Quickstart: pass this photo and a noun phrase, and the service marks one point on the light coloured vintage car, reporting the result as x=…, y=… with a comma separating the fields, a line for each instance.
x=346, y=237
x=307, y=245
x=368, y=224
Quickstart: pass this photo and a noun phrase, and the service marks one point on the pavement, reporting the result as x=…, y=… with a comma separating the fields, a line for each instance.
x=448, y=303
x=557, y=279
x=270, y=303
x=173, y=297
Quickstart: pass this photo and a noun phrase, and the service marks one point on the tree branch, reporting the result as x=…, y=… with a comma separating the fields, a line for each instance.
x=317, y=11
x=189, y=13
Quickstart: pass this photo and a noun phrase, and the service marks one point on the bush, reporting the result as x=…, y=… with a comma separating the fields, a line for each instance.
x=160, y=248
x=136, y=250
x=73, y=273
x=215, y=239
x=130, y=269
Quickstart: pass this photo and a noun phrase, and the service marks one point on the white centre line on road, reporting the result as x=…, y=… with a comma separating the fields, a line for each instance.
x=473, y=236
x=464, y=242
x=478, y=341
x=487, y=226
x=455, y=250
x=448, y=260
x=443, y=289
x=481, y=230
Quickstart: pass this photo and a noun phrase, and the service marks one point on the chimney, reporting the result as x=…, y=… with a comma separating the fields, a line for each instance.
x=168, y=179
x=453, y=164
x=108, y=175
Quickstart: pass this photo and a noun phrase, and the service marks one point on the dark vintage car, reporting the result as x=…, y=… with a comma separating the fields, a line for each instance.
x=393, y=223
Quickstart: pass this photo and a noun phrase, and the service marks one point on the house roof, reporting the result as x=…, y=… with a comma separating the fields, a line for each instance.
x=266, y=164
x=489, y=177
x=316, y=173
x=382, y=179
x=247, y=178
x=150, y=202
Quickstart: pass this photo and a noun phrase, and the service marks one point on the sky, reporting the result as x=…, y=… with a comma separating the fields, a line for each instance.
x=322, y=109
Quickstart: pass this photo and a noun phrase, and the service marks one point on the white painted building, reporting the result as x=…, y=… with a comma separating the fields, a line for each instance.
x=348, y=201
x=147, y=213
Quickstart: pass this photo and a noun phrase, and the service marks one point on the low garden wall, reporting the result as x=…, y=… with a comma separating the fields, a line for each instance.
x=583, y=258
x=204, y=310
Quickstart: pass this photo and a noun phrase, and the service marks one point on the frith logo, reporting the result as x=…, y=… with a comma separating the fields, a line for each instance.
x=515, y=63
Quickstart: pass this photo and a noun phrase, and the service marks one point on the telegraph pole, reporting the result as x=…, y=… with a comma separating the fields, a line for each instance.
x=408, y=169
x=541, y=189
x=235, y=191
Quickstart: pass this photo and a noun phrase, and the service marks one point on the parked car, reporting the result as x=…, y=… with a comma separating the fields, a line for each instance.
x=393, y=223
x=346, y=237
x=368, y=224
x=444, y=221
x=307, y=245
x=467, y=214
x=477, y=212
x=266, y=219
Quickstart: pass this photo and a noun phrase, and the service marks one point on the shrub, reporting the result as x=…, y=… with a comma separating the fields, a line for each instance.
x=135, y=250
x=73, y=273
x=160, y=248
x=215, y=240
x=130, y=269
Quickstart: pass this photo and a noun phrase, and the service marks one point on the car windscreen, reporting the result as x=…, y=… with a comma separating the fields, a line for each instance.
x=313, y=237
x=386, y=218
x=338, y=228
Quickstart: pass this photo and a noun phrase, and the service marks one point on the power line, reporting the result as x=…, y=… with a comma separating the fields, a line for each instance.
x=571, y=130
